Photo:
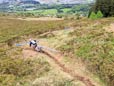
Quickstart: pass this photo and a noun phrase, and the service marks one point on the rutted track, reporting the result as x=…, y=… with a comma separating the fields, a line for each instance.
x=85, y=80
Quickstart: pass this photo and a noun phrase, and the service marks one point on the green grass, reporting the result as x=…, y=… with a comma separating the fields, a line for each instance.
x=50, y=11
x=44, y=12
x=47, y=11
x=65, y=10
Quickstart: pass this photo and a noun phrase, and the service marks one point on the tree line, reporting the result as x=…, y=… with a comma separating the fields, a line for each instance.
x=105, y=6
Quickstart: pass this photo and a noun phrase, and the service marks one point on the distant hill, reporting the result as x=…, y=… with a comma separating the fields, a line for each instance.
x=20, y=1
x=65, y=1
x=29, y=2
x=16, y=5
x=49, y=1
x=19, y=5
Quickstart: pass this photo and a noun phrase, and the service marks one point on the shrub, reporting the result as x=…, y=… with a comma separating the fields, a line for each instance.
x=93, y=15
x=59, y=16
x=99, y=14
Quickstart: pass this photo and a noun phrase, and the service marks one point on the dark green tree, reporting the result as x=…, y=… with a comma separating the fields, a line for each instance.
x=105, y=6
x=112, y=8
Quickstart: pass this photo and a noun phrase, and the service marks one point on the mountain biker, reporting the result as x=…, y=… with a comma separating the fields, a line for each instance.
x=32, y=43
x=38, y=48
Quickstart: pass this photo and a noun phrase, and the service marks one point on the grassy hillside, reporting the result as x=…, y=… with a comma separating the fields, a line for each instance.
x=95, y=46
x=14, y=70
x=11, y=28
x=89, y=42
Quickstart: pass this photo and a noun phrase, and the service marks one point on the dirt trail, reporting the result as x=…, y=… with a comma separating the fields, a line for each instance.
x=85, y=80
x=110, y=28
x=81, y=76
x=27, y=52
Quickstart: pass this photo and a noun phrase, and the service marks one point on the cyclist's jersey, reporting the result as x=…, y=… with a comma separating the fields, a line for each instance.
x=33, y=43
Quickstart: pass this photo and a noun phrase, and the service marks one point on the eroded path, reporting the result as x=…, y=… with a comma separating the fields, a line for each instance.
x=73, y=68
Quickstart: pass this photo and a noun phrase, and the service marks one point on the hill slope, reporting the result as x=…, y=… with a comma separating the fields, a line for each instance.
x=84, y=44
